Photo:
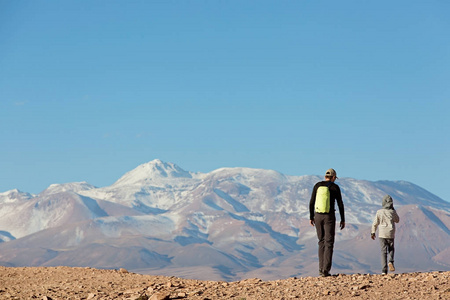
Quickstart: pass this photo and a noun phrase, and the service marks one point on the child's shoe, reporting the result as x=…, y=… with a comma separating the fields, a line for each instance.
x=391, y=267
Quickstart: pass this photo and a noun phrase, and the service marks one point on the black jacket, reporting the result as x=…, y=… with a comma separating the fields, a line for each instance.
x=335, y=195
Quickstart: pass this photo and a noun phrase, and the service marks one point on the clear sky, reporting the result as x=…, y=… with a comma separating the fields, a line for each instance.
x=91, y=89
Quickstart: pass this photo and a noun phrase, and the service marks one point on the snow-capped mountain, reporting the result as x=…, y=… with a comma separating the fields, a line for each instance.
x=154, y=173
x=14, y=196
x=228, y=224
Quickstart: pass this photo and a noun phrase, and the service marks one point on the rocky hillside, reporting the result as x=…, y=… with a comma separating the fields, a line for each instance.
x=87, y=283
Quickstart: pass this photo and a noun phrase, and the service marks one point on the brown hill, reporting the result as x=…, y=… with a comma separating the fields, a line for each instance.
x=87, y=283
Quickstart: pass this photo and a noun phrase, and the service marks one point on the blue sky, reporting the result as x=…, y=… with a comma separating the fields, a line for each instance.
x=91, y=89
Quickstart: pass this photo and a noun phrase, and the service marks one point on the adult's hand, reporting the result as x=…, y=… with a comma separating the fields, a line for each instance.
x=311, y=222
x=342, y=225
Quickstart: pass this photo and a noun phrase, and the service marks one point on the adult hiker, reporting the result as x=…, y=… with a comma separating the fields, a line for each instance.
x=322, y=215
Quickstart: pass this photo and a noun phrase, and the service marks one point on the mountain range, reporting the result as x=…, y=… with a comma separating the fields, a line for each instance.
x=228, y=224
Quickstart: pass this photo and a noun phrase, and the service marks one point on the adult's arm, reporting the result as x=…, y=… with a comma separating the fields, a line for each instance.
x=340, y=204
x=312, y=202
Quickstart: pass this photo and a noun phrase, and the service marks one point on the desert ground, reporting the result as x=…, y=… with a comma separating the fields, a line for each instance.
x=88, y=283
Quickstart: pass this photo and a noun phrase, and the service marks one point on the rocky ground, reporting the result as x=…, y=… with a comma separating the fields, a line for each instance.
x=87, y=283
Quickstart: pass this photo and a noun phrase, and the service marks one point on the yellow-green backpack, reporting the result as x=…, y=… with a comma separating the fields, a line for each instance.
x=322, y=203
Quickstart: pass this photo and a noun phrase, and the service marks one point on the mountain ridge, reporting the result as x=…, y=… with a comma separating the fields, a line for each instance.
x=236, y=222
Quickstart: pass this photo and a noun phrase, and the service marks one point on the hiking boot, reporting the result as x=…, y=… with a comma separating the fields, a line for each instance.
x=391, y=267
x=325, y=274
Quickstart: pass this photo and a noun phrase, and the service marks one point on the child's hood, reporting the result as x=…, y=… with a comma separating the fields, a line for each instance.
x=388, y=203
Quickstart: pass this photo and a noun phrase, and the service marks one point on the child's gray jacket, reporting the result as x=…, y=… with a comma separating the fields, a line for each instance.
x=385, y=219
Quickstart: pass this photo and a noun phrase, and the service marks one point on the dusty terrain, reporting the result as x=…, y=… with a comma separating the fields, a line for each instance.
x=88, y=283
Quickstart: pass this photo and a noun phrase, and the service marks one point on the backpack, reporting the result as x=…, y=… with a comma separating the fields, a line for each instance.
x=322, y=204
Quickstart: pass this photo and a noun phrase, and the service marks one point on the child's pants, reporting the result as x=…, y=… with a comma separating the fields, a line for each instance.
x=387, y=247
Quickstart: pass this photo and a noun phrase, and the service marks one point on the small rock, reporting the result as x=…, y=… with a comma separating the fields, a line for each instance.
x=252, y=280
x=160, y=296
x=138, y=297
x=364, y=287
x=122, y=270
x=133, y=291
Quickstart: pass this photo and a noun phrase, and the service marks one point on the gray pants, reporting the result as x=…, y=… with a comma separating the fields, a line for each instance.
x=325, y=228
x=387, y=248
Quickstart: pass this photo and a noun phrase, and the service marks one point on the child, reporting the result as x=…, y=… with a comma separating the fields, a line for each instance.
x=385, y=220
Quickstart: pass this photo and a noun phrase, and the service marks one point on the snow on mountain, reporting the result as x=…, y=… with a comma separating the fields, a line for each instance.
x=75, y=187
x=51, y=209
x=231, y=222
x=153, y=187
x=155, y=173
x=6, y=237
x=14, y=196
